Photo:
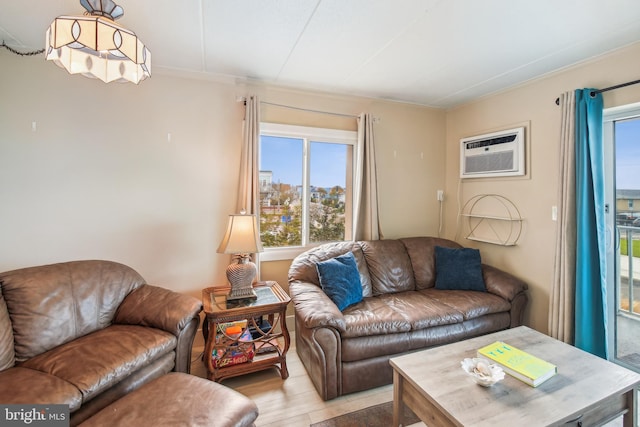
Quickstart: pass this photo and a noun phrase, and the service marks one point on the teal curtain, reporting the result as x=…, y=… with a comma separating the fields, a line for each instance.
x=590, y=302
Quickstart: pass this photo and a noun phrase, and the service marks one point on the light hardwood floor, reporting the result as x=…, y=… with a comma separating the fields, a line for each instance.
x=294, y=402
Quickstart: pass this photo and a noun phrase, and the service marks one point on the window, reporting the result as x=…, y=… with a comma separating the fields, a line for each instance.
x=306, y=177
x=621, y=130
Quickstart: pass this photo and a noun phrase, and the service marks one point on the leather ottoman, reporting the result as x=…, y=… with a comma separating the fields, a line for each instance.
x=178, y=399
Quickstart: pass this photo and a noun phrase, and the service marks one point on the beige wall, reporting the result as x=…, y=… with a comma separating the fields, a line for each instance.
x=533, y=105
x=99, y=177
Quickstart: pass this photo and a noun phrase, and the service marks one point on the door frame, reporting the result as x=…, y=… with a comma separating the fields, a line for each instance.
x=610, y=116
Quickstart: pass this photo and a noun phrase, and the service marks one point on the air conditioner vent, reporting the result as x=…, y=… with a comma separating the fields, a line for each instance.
x=491, y=141
x=494, y=154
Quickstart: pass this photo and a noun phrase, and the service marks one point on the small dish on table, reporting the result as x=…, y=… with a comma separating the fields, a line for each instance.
x=482, y=371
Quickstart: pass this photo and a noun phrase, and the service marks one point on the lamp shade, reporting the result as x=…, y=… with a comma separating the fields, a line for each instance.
x=95, y=46
x=242, y=236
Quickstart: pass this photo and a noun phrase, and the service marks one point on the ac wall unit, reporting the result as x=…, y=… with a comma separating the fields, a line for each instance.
x=493, y=154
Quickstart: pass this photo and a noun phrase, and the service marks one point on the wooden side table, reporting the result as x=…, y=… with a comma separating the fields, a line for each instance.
x=270, y=345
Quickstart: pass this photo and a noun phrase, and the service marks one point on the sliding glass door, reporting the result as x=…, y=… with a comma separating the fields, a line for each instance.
x=622, y=141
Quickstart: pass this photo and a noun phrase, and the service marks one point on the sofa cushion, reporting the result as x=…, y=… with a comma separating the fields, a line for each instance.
x=397, y=312
x=459, y=269
x=86, y=292
x=340, y=280
x=97, y=361
x=178, y=399
x=7, y=358
x=389, y=266
x=470, y=304
x=364, y=350
x=27, y=386
x=423, y=260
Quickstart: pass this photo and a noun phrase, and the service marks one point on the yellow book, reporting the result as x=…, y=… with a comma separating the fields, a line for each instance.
x=519, y=364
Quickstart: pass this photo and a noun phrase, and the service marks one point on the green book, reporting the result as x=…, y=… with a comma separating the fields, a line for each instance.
x=519, y=364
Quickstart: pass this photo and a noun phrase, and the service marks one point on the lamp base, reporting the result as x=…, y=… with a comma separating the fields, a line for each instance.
x=241, y=276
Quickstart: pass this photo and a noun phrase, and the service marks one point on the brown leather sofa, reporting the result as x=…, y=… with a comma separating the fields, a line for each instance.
x=85, y=333
x=178, y=399
x=401, y=312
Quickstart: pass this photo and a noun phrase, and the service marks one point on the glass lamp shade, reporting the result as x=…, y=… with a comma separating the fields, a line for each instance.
x=241, y=239
x=95, y=46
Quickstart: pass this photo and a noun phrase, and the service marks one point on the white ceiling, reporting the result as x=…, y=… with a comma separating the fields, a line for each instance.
x=432, y=52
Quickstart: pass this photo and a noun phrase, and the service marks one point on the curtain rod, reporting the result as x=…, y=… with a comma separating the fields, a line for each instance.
x=606, y=89
x=308, y=110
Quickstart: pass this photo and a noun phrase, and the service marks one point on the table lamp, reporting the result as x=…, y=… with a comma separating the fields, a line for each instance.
x=241, y=239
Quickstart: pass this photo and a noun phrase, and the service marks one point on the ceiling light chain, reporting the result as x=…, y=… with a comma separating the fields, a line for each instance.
x=12, y=50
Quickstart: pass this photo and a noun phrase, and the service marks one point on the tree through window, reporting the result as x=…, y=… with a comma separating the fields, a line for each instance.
x=306, y=177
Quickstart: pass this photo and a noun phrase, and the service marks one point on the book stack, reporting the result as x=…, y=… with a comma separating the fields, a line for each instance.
x=233, y=344
x=519, y=364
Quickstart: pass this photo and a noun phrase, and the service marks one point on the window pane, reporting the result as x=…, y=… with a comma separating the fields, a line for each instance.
x=328, y=182
x=626, y=311
x=280, y=191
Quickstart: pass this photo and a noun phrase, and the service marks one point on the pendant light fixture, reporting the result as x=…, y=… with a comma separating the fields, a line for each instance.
x=95, y=46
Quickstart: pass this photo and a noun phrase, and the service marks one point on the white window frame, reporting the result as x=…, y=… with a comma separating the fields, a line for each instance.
x=308, y=135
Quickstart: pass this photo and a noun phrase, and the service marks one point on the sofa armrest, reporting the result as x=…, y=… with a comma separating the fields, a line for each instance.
x=502, y=283
x=164, y=309
x=314, y=308
x=158, y=308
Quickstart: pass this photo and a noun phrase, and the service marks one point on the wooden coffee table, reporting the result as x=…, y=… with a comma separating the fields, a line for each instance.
x=587, y=390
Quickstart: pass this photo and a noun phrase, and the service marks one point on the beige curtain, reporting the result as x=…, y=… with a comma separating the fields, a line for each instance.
x=249, y=191
x=366, y=222
x=561, y=302
x=248, y=187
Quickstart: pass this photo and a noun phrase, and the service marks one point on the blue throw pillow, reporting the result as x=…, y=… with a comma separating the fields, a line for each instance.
x=459, y=268
x=340, y=280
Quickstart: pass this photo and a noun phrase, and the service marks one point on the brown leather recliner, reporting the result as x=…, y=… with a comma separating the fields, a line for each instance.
x=85, y=333
x=349, y=351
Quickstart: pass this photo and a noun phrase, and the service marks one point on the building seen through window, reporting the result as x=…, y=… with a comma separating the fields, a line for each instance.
x=306, y=177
